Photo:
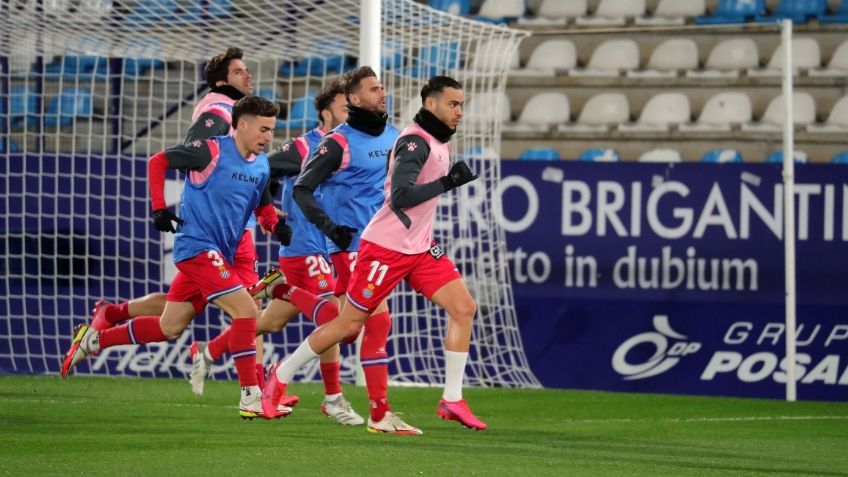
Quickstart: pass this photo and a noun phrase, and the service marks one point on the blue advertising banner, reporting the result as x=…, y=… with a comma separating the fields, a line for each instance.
x=670, y=277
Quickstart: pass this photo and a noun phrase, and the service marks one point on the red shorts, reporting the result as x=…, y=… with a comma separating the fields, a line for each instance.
x=343, y=262
x=206, y=276
x=311, y=273
x=246, y=263
x=378, y=270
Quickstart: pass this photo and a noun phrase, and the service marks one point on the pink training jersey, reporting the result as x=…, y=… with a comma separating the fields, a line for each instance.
x=386, y=229
x=216, y=103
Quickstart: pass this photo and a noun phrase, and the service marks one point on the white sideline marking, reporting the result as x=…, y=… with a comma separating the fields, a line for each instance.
x=708, y=419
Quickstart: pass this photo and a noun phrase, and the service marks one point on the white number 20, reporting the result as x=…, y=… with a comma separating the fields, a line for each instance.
x=315, y=264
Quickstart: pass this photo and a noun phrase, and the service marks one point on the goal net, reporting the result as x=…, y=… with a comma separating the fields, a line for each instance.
x=89, y=89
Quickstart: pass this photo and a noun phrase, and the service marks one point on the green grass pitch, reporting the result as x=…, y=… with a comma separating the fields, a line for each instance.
x=102, y=426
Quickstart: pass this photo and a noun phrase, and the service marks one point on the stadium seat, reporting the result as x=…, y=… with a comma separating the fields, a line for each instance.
x=613, y=12
x=733, y=11
x=543, y=111
x=721, y=112
x=776, y=157
x=799, y=11
x=599, y=154
x=212, y=8
x=669, y=57
x=268, y=94
x=600, y=113
x=480, y=153
x=302, y=114
x=838, y=64
x=146, y=12
x=70, y=104
x=803, y=113
x=840, y=158
x=539, y=154
x=436, y=59
x=23, y=107
x=673, y=12
x=722, y=156
x=610, y=58
x=454, y=7
x=837, y=120
x=485, y=107
x=548, y=58
x=806, y=55
x=661, y=155
x=490, y=53
x=501, y=11
x=660, y=113
x=556, y=12
x=727, y=58
x=838, y=16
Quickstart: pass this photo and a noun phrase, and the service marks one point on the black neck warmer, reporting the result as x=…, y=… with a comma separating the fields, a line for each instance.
x=433, y=125
x=229, y=91
x=369, y=122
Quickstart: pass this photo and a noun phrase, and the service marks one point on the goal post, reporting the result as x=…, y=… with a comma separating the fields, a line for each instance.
x=89, y=89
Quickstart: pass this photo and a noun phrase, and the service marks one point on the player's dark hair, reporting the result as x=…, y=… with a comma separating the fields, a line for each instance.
x=352, y=79
x=217, y=67
x=327, y=95
x=436, y=85
x=254, y=106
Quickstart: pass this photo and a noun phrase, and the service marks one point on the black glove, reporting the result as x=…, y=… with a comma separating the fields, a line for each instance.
x=459, y=174
x=342, y=235
x=283, y=233
x=162, y=220
x=274, y=187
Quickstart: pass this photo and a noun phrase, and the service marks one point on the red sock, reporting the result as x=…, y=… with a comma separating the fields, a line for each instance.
x=219, y=345
x=260, y=375
x=330, y=374
x=243, y=349
x=144, y=329
x=313, y=307
x=375, y=362
x=116, y=313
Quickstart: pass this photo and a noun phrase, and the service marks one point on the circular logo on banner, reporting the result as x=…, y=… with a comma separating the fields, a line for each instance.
x=661, y=360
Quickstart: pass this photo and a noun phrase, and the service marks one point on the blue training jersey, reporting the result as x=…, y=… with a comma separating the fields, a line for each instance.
x=216, y=211
x=354, y=193
x=306, y=238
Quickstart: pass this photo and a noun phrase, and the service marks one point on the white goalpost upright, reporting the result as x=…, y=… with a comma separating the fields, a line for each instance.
x=90, y=89
x=789, y=207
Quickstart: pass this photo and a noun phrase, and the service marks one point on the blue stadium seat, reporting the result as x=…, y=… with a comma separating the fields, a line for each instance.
x=145, y=12
x=722, y=156
x=734, y=11
x=799, y=11
x=777, y=157
x=302, y=114
x=600, y=154
x=838, y=16
x=455, y=7
x=212, y=7
x=22, y=106
x=13, y=146
x=436, y=59
x=75, y=65
x=840, y=158
x=328, y=58
x=268, y=94
x=540, y=154
x=70, y=104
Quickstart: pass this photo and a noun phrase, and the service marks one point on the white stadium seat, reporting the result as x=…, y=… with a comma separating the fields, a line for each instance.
x=722, y=112
x=661, y=112
x=482, y=107
x=673, y=12
x=556, y=12
x=498, y=9
x=610, y=58
x=806, y=55
x=727, y=58
x=489, y=53
x=669, y=57
x=661, y=155
x=614, y=12
x=541, y=112
x=548, y=58
x=838, y=64
x=837, y=120
x=600, y=113
x=803, y=113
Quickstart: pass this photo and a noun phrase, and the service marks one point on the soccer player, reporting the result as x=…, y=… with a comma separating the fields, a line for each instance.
x=302, y=262
x=230, y=80
x=227, y=180
x=398, y=244
x=349, y=164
